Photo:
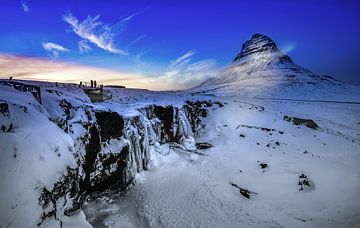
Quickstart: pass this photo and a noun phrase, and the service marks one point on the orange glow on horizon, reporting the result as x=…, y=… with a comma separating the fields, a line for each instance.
x=38, y=69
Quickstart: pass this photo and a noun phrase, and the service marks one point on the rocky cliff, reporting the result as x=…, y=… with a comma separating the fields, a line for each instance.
x=107, y=147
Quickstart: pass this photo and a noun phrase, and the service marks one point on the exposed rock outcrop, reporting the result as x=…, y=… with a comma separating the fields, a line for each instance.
x=258, y=43
x=299, y=121
x=64, y=198
x=117, y=147
x=5, y=125
x=34, y=90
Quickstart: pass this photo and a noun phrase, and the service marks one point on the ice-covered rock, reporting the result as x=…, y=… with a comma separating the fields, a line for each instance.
x=94, y=147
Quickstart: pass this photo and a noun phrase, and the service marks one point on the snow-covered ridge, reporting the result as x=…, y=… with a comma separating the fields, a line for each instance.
x=78, y=147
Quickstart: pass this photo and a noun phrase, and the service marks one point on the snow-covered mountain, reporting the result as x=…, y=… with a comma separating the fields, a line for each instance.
x=262, y=70
x=260, y=57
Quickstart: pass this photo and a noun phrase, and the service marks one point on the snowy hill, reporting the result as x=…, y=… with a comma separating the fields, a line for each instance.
x=262, y=70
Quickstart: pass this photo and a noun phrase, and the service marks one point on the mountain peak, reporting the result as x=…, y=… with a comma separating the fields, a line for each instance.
x=260, y=60
x=256, y=44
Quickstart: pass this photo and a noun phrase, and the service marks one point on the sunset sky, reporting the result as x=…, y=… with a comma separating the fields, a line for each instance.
x=170, y=44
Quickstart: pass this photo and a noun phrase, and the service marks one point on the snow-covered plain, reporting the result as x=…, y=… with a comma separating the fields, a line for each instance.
x=192, y=189
x=184, y=189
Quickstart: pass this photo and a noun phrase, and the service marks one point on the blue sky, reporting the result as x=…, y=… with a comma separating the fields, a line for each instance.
x=178, y=37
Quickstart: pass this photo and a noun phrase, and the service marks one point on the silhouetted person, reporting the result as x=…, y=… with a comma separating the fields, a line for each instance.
x=94, y=83
x=91, y=83
x=10, y=79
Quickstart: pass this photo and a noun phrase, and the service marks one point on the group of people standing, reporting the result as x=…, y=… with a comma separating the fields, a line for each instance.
x=93, y=84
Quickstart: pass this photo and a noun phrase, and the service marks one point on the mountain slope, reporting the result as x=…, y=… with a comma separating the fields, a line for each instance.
x=262, y=70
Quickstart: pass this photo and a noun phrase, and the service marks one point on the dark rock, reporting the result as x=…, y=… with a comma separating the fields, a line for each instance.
x=244, y=192
x=63, y=123
x=219, y=104
x=92, y=149
x=304, y=183
x=114, y=169
x=255, y=127
x=298, y=121
x=108, y=178
x=196, y=110
x=257, y=43
x=4, y=108
x=66, y=106
x=242, y=135
x=165, y=115
x=4, y=111
x=260, y=43
x=203, y=145
x=163, y=121
x=34, y=90
x=7, y=129
x=263, y=165
x=111, y=125
x=67, y=188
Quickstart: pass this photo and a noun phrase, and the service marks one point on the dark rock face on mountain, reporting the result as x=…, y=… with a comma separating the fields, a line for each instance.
x=260, y=44
x=257, y=43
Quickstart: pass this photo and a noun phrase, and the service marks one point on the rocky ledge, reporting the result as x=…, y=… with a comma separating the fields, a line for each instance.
x=117, y=147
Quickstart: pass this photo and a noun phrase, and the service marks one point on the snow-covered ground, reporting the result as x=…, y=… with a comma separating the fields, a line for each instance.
x=185, y=189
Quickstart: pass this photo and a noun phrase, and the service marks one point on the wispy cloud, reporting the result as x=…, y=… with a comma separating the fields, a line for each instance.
x=25, y=6
x=84, y=46
x=54, y=49
x=94, y=31
x=182, y=60
x=138, y=59
x=185, y=72
x=137, y=39
x=288, y=48
x=128, y=18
